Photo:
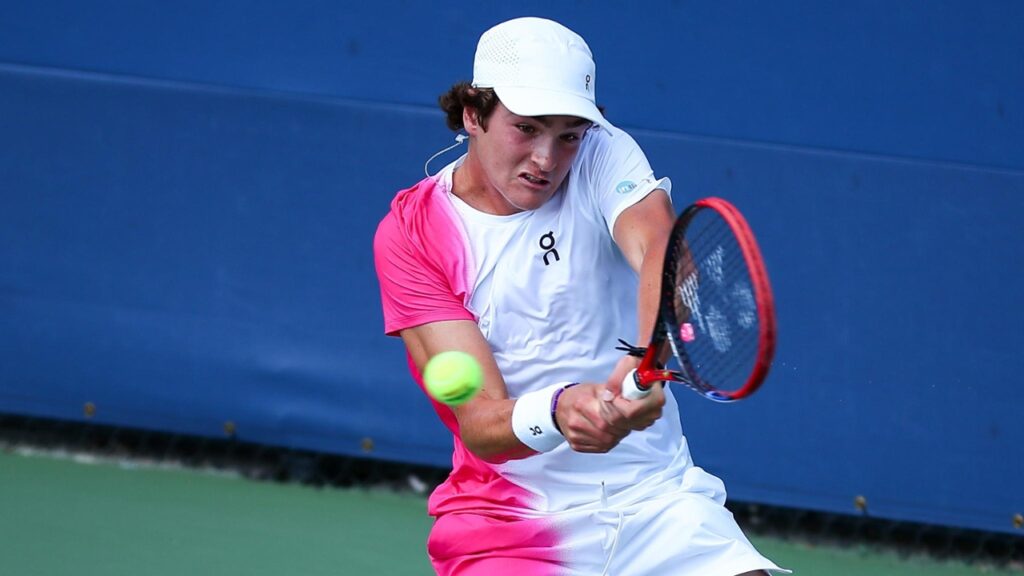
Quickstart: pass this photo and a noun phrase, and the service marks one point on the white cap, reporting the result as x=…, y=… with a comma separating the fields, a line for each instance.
x=538, y=67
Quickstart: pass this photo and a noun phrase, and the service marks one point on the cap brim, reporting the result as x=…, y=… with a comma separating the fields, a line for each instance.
x=537, y=102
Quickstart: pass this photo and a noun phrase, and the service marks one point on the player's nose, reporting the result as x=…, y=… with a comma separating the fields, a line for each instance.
x=544, y=156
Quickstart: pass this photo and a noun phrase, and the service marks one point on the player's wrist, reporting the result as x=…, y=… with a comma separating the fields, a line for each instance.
x=533, y=418
x=554, y=405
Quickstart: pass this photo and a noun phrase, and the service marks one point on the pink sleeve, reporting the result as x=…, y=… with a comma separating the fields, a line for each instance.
x=422, y=261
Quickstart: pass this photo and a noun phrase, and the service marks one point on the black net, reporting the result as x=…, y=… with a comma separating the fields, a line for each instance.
x=863, y=530
x=250, y=460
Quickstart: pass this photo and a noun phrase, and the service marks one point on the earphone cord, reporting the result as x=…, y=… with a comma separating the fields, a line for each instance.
x=459, y=139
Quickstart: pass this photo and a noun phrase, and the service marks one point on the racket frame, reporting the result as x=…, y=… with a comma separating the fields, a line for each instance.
x=652, y=366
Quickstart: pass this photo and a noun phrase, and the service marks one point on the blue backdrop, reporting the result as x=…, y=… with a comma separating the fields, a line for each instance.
x=188, y=193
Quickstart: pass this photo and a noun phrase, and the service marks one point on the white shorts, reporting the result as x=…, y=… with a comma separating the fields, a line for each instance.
x=677, y=533
x=679, y=530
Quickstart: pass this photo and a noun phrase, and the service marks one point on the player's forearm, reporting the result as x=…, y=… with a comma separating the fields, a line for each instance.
x=649, y=288
x=642, y=232
x=485, y=427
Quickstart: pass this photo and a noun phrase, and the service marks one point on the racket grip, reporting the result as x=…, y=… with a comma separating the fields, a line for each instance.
x=631, y=389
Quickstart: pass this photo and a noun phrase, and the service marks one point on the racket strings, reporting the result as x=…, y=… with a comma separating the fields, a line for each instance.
x=716, y=312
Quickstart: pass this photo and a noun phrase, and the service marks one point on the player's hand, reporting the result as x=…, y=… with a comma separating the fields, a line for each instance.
x=634, y=414
x=585, y=420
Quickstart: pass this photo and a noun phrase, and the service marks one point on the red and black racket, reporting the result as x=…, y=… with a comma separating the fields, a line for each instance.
x=716, y=317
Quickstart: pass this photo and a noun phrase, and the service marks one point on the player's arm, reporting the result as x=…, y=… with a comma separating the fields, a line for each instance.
x=642, y=233
x=485, y=422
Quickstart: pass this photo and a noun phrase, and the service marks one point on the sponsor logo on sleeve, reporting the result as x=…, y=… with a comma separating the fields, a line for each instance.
x=625, y=187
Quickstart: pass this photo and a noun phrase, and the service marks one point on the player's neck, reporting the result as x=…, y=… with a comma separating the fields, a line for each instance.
x=470, y=184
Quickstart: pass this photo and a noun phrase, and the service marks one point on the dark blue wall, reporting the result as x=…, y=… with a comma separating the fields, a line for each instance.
x=188, y=193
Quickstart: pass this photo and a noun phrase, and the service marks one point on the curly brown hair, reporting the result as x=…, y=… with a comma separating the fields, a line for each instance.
x=462, y=95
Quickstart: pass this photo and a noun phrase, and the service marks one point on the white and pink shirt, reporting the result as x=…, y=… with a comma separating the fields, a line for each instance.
x=551, y=293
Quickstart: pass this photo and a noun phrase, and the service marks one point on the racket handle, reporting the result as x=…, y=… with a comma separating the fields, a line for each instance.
x=631, y=389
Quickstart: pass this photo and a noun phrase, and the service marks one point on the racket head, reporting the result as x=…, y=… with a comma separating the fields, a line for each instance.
x=716, y=315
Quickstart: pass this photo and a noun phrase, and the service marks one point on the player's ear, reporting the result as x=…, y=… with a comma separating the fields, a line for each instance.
x=471, y=121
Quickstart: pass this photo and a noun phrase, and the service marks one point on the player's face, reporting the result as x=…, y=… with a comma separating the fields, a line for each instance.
x=522, y=160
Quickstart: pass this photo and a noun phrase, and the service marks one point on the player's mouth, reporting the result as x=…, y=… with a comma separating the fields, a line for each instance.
x=534, y=181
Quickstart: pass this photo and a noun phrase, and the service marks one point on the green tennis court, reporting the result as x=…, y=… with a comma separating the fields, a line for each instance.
x=77, y=516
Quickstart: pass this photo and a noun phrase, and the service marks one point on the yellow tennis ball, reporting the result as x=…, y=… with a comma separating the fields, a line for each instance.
x=453, y=377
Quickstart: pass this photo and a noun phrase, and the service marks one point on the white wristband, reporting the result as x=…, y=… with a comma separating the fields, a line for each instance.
x=532, y=421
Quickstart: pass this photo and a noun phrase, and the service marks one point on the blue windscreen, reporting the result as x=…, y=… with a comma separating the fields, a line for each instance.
x=188, y=196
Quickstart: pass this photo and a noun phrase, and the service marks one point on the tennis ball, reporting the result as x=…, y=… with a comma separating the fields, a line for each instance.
x=453, y=377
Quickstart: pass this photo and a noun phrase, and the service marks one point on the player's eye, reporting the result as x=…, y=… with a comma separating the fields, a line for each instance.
x=526, y=128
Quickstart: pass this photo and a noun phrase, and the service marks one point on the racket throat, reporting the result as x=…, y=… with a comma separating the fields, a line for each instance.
x=652, y=370
x=646, y=378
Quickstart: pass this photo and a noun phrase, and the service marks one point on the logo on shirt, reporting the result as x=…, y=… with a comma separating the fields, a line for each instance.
x=625, y=187
x=547, y=244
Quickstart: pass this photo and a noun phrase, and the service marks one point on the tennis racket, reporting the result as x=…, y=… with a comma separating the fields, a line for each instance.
x=716, y=318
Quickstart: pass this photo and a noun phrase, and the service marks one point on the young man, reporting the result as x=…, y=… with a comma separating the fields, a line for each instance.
x=535, y=252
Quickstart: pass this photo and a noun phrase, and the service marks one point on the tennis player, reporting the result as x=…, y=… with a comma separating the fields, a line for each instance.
x=535, y=251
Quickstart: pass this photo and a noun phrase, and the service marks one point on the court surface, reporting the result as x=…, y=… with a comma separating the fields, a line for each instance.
x=81, y=517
